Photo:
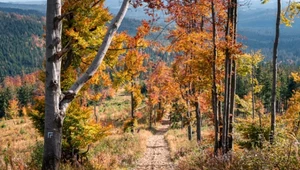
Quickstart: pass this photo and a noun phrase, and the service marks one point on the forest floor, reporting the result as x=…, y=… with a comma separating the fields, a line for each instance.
x=157, y=155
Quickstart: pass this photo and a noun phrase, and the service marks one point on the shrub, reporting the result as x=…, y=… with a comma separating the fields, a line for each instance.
x=37, y=156
x=130, y=124
x=252, y=133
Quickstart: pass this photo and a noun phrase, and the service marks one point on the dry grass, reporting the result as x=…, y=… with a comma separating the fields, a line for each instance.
x=179, y=144
x=119, y=151
x=116, y=107
x=17, y=138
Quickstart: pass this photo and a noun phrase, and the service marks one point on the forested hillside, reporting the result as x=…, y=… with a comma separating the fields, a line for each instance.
x=257, y=33
x=32, y=6
x=21, y=45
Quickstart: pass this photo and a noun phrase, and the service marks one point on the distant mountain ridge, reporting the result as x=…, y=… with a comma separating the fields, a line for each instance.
x=20, y=32
x=38, y=7
x=21, y=45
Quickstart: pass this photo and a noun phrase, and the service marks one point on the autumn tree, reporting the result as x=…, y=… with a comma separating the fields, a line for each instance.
x=248, y=64
x=132, y=64
x=161, y=90
x=57, y=102
x=189, y=41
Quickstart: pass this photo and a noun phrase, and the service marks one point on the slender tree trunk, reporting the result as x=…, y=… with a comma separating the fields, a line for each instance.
x=214, y=87
x=57, y=103
x=53, y=117
x=132, y=101
x=95, y=111
x=198, y=117
x=232, y=107
x=274, y=85
x=189, y=122
x=220, y=121
x=150, y=117
x=227, y=84
x=233, y=77
x=252, y=91
x=229, y=93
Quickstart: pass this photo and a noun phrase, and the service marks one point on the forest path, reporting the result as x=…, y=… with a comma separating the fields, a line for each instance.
x=157, y=155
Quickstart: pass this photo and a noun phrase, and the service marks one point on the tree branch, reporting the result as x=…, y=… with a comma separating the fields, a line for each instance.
x=112, y=29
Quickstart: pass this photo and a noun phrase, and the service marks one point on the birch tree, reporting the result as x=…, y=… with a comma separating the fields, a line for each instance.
x=56, y=101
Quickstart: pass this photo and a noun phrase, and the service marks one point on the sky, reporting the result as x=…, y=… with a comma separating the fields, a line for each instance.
x=253, y=3
x=19, y=0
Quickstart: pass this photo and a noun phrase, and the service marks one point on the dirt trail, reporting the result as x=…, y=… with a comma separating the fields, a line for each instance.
x=157, y=155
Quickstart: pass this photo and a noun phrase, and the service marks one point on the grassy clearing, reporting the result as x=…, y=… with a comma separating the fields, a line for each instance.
x=119, y=151
x=116, y=108
x=21, y=147
x=17, y=139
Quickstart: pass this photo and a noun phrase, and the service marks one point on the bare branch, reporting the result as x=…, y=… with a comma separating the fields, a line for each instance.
x=112, y=29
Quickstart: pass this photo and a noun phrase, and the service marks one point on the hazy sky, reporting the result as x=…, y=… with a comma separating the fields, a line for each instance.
x=20, y=0
x=254, y=3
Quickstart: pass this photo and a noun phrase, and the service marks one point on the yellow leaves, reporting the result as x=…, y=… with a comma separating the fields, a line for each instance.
x=296, y=77
x=264, y=1
x=68, y=78
x=247, y=62
x=13, y=108
x=292, y=11
x=95, y=97
x=292, y=115
x=286, y=20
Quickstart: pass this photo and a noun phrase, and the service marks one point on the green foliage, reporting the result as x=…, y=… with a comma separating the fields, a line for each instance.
x=37, y=155
x=22, y=131
x=78, y=129
x=5, y=96
x=130, y=125
x=25, y=95
x=252, y=135
x=37, y=115
x=3, y=125
x=176, y=115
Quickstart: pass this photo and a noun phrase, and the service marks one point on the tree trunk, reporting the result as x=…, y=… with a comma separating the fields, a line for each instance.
x=132, y=105
x=198, y=117
x=233, y=77
x=220, y=121
x=95, y=111
x=214, y=87
x=252, y=90
x=227, y=84
x=189, y=121
x=57, y=103
x=274, y=86
x=53, y=115
x=232, y=99
x=150, y=117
